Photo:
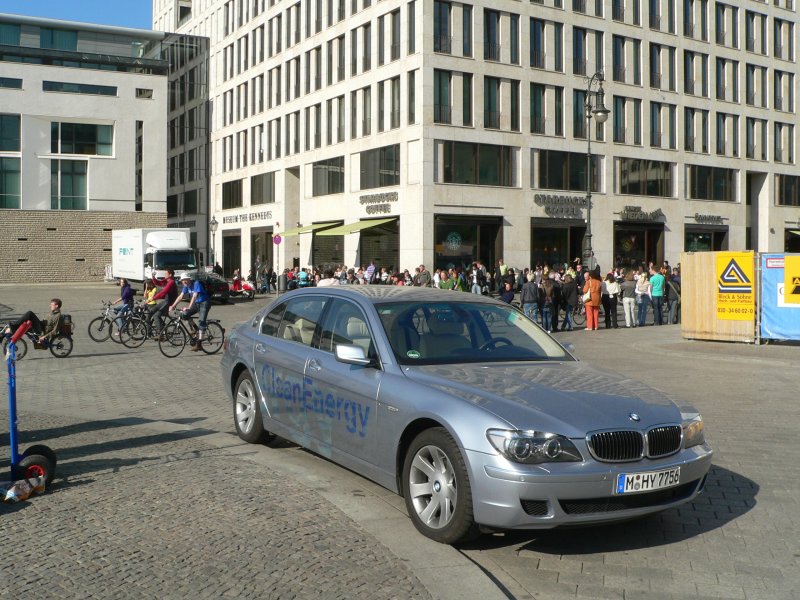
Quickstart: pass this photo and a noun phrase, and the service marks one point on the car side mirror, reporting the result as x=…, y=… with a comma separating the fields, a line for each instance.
x=351, y=354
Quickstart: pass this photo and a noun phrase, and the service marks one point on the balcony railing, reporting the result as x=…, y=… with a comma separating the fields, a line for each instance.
x=579, y=66
x=443, y=44
x=538, y=124
x=537, y=59
x=491, y=119
x=442, y=114
x=491, y=51
x=619, y=74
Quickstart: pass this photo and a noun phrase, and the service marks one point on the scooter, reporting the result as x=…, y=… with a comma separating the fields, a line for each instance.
x=242, y=287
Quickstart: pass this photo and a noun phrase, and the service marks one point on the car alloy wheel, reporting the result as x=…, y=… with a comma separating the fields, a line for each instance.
x=247, y=412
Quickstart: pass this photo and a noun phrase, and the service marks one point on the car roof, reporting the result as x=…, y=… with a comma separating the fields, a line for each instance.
x=379, y=294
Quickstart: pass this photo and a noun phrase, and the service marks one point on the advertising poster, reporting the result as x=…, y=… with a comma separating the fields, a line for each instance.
x=780, y=310
x=735, y=288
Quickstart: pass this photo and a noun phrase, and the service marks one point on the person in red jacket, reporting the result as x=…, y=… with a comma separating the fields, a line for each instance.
x=163, y=299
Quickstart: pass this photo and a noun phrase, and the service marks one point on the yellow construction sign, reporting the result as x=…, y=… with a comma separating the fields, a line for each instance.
x=791, y=279
x=736, y=286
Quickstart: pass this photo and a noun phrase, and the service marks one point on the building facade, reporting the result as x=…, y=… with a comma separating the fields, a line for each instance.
x=83, y=141
x=436, y=132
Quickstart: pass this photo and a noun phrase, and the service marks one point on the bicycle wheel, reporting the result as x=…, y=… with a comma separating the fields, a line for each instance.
x=61, y=346
x=134, y=332
x=99, y=329
x=22, y=348
x=172, y=340
x=215, y=335
x=579, y=315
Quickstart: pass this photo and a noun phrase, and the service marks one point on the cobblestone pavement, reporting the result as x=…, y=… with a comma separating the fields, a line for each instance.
x=156, y=497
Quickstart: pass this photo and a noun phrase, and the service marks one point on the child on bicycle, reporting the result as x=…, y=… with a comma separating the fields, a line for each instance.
x=47, y=330
x=198, y=304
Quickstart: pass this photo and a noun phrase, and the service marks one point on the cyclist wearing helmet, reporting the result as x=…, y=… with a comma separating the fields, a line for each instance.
x=198, y=304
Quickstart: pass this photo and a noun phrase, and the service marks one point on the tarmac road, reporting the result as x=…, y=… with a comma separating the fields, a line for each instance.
x=156, y=496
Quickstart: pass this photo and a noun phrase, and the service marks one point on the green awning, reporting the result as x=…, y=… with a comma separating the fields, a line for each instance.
x=307, y=228
x=355, y=227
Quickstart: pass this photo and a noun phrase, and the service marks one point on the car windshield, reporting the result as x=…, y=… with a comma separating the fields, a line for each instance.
x=177, y=259
x=464, y=332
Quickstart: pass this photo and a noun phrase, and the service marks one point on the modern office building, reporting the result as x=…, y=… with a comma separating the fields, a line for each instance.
x=436, y=132
x=84, y=141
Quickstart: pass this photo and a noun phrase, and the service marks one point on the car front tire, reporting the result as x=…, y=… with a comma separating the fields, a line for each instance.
x=247, y=412
x=436, y=488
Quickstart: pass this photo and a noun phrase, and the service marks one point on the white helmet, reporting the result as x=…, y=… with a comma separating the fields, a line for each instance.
x=184, y=275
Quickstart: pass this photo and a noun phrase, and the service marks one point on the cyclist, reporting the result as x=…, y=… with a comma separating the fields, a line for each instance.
x=47, y=330
x=164, y=298
x=198, y=304
x=125, y=302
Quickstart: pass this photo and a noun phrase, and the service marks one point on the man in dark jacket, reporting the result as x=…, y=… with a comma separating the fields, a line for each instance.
x=569, y=298
x=529, y=298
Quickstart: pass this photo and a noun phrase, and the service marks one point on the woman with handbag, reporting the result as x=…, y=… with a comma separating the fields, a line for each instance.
x=591, y=300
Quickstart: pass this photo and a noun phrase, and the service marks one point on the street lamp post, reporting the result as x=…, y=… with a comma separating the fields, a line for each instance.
x=212, y=227
x=600, y=112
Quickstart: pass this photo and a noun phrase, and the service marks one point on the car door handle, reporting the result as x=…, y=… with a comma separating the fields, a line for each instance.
x=261, y=348
x=313, y=365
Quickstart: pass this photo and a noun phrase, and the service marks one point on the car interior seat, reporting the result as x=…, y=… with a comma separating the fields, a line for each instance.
x=358, y=334
x=444, y=336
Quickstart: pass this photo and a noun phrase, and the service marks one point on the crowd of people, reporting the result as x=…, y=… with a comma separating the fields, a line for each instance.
x=544, y=292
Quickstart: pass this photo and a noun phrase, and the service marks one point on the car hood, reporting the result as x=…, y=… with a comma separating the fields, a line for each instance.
x=568, y=398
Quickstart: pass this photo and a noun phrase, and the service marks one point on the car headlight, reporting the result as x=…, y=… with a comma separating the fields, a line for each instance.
x=693, y=434
x=533, y=447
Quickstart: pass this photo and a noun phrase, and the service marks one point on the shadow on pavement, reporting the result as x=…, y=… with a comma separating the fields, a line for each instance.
x=727, y=496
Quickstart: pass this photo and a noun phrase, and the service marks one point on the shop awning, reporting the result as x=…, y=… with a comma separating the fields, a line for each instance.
x=307, y=228
x=355, y=227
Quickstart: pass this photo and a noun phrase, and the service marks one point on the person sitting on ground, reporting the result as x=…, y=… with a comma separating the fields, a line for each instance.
x=47, y=330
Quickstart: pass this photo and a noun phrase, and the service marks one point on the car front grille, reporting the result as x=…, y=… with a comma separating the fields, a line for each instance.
x=629, y=445
x=616, y=503
x=663, y=441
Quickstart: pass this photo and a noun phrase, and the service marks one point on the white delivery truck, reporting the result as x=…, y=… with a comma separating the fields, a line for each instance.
x=139, y=254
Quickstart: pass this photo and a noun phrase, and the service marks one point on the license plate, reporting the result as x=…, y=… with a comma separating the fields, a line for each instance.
x=633, y=483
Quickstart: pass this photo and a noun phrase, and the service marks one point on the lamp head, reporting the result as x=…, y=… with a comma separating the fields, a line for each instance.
x=600, y=111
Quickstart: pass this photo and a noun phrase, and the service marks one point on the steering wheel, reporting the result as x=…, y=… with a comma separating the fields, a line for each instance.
x=492, y=343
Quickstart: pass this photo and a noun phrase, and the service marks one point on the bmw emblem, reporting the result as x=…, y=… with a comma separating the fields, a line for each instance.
x=634, y=417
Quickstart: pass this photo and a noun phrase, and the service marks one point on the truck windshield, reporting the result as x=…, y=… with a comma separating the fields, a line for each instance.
x=177, y=259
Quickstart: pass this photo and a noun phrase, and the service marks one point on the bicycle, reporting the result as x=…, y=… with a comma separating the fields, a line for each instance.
x=578, y=314
x=136, y=327
x=60, y=346
x=100, y=328
x=177, y=332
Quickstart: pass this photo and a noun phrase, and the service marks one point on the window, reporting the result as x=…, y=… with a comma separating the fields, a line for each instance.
x=345, y=324
x=300, y=319
x=394, y=114
x=9, y=133
x=514, y=105
x=466, y=80
x=412, y=98
x=559, y=110
x=578, y=51
x=477, y=164
x=788, y=190
x=441, y=27
x=9, y=183
x=712, y=183
x=559, y=170
x=537, y=44
x=10, y=83
x=68, y=185
x=394, y=47
x=643, y=177
x=619, y=119
x=79, y=88
x=262, y=188
x=81, y=138
x=467, y=30
x=537, y=108
x=558, y=35
x=58, y=39
x=328, y=177
x=441, y=96
x=412, y=27
x=514, y=32
x=380, y=167
x=491, y=102
x=367, y=43
x=9, y=34
x=491, y=35
x=232, y=194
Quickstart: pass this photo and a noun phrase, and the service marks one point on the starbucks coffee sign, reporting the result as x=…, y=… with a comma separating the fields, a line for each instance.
x=561, y=206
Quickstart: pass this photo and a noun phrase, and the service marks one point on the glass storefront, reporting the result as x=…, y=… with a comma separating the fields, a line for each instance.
x=554, y=242
x=327, y=251
x=705, y=239
x=636, y=244
x=460, y=241
x=231, y=252
x=261, y=247
x=791, y=240
x=381, y=244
